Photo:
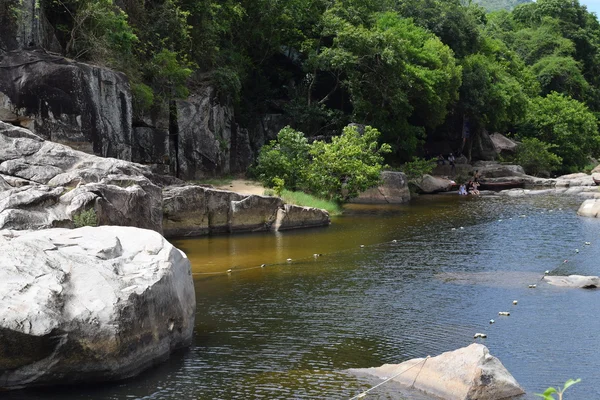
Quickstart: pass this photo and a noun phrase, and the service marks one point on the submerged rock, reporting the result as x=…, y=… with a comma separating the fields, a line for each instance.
x=574, y=281
x=90, y=304
x=468, y=373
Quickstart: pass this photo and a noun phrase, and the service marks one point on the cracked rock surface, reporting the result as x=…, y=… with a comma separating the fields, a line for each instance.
x=90, y=304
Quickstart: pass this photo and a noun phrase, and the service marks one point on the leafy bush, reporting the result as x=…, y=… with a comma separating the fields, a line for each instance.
x=337, y=171
x=142, y=98
x=85, y=218
x=415, y=169
x=98, y=30
x=285, y=158
x=170, y=73
x=536, y=156
x=350, y=164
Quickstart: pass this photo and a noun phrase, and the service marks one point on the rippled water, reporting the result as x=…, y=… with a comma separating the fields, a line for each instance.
x=290, y=330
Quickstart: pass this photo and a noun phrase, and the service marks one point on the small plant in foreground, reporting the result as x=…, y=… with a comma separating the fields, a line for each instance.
x=549, y=393
x=85, y=218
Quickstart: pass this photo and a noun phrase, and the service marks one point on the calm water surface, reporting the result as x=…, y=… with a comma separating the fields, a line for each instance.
x=290, y=330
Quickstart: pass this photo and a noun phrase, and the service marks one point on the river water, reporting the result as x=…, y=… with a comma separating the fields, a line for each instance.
x=289, y=330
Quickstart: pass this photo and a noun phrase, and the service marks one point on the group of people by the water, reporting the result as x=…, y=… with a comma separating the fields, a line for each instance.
x=471, y=187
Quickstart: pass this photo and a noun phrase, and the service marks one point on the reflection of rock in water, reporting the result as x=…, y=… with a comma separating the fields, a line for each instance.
x=505, y=279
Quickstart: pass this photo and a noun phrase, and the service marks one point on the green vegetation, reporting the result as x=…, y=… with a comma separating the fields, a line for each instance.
x=414, y=170
x=85, y=218
x=536, y=157
x=415, y=70
x=549, y=393
x=336, y=171
x=495, y=5
x=306, y=200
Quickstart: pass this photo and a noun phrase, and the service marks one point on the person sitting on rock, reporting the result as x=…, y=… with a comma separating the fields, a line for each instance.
x=441, y=160
x=462, y=190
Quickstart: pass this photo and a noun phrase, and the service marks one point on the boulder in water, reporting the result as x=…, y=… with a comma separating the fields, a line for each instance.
x=574, y=281
x=90, y=304
x=467, y=373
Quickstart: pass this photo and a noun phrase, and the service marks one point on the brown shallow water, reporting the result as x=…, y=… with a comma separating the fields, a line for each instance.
x=291, y=330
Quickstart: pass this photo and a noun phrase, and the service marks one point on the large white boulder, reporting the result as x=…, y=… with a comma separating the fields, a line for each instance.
x=574, y=281
x=469, y=373
x=90, y=304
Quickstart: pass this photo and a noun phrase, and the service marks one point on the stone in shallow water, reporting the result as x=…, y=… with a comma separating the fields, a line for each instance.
x=574, y=281
x=467, y=373
x=90, y=304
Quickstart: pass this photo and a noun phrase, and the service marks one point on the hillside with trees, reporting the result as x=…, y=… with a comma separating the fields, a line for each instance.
x=418, y=71
x=496, y=5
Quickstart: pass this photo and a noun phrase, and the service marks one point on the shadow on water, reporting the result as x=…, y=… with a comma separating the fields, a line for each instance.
x=290, y=330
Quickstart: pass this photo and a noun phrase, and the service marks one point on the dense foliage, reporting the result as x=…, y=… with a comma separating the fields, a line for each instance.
x=414, y=69
x=337, y=171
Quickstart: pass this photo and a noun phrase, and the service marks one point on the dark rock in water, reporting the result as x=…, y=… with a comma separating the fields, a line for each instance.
x=90, y=304
x=83, y=106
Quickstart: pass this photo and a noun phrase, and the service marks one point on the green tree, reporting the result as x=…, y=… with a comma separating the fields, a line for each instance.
x=94, y=30
x=566, y=123
x=400, y=77
x=350, y=164
x=283, y=159
x=536, y=157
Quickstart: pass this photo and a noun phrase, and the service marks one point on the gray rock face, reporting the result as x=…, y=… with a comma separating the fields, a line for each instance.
x=90, y=304
x=579, y=179
x=83, y=106
x=392, y=190
x=497, y=170
x=197, y=211
x=483, y=147
x=204, y=136
x=46, y=185
x=503, y=144
x=23, y=25
x=292, y=217
x=434, y=184
x=574, y=281
x=467, y=373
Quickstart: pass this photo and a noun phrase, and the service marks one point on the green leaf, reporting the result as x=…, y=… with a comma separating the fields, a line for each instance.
x=570, y=383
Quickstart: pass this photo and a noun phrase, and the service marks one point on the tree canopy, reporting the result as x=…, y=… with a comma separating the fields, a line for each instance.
x=412, y=69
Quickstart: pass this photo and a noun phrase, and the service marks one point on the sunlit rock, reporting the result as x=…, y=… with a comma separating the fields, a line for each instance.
x=90, y=304
x=467, y=373
x=574, y=281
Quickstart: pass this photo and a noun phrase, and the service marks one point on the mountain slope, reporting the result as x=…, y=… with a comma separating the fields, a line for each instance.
x=494, y=5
